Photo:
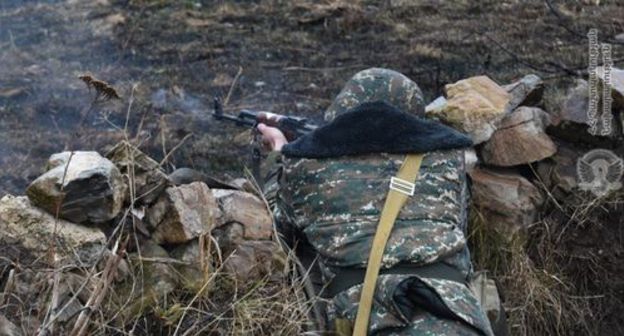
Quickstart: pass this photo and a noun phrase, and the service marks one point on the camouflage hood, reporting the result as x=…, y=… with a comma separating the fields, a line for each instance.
x=376, y=127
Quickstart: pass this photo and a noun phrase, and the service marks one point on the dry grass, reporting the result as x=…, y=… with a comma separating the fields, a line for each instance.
x=560, y=277
x=538, y=299
x=268, y=306
x=585, y=239
x=223, y=306
x=114, y=298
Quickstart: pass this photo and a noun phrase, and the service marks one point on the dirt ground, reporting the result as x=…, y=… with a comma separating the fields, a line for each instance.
x=293, y=57
x=170, y=58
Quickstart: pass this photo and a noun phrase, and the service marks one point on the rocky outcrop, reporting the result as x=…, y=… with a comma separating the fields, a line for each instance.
x=475, y=106
x=520, y=139
x=506, y=199
x=80, y=186
x=246, y=209
x=174, y=235
x=182, y=213
x=36, y=231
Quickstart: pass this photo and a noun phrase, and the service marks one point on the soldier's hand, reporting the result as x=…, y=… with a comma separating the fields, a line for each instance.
x=272, y=137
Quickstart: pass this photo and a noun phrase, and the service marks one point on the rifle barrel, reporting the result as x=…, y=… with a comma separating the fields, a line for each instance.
x=292, y=127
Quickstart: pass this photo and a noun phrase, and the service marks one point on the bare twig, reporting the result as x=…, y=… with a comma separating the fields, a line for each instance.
x=8, y=287
x=98, y=294
x=163, y=127
x=238, y=74
x=164, y=160
x=130, y=101
x=164, y=260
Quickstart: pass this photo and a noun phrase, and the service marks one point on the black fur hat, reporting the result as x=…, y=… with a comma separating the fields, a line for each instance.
x=376, y=127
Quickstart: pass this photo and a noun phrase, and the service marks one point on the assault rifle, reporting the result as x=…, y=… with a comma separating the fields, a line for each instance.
x=292, y=127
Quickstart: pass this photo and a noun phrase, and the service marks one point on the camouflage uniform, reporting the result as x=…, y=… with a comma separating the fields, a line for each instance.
x=335, y=204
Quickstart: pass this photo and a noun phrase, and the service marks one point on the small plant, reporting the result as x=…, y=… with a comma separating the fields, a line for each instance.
x=103, y=90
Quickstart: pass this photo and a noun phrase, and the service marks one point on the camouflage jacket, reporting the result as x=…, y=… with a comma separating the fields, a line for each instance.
x=335, y=205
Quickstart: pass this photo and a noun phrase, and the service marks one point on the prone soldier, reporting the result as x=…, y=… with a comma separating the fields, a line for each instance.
x=330, y=187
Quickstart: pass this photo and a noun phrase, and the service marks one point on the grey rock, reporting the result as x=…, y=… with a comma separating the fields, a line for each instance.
x=436, y=106
x=182, y=213
x=159, y=278
x=570, y=121
x=146, y=179
x=187, y=175
x=82, y=187
x=182, y=176
x=34, y=230
x=74, y=292
x=617, y=85
x=197, y=263
x=246, y=209
x=487, y=294
x=123, y=269
x=471, y=159
x=505, y=199
x=254, y=260
x=159, y=274
x=242, y=184
x=575, y=104
x=248, y=259
x=520, y=139
x=528, y=91
x=559, y=172
x=7, y=328
x=229, y=236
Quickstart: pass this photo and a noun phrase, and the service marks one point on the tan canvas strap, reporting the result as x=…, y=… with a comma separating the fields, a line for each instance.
x=401, y=187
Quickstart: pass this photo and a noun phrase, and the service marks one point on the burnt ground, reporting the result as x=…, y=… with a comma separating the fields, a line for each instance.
x=294, y=56
x=284, y=56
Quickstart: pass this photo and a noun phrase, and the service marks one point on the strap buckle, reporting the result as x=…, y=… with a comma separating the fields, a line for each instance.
x=402, y=186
